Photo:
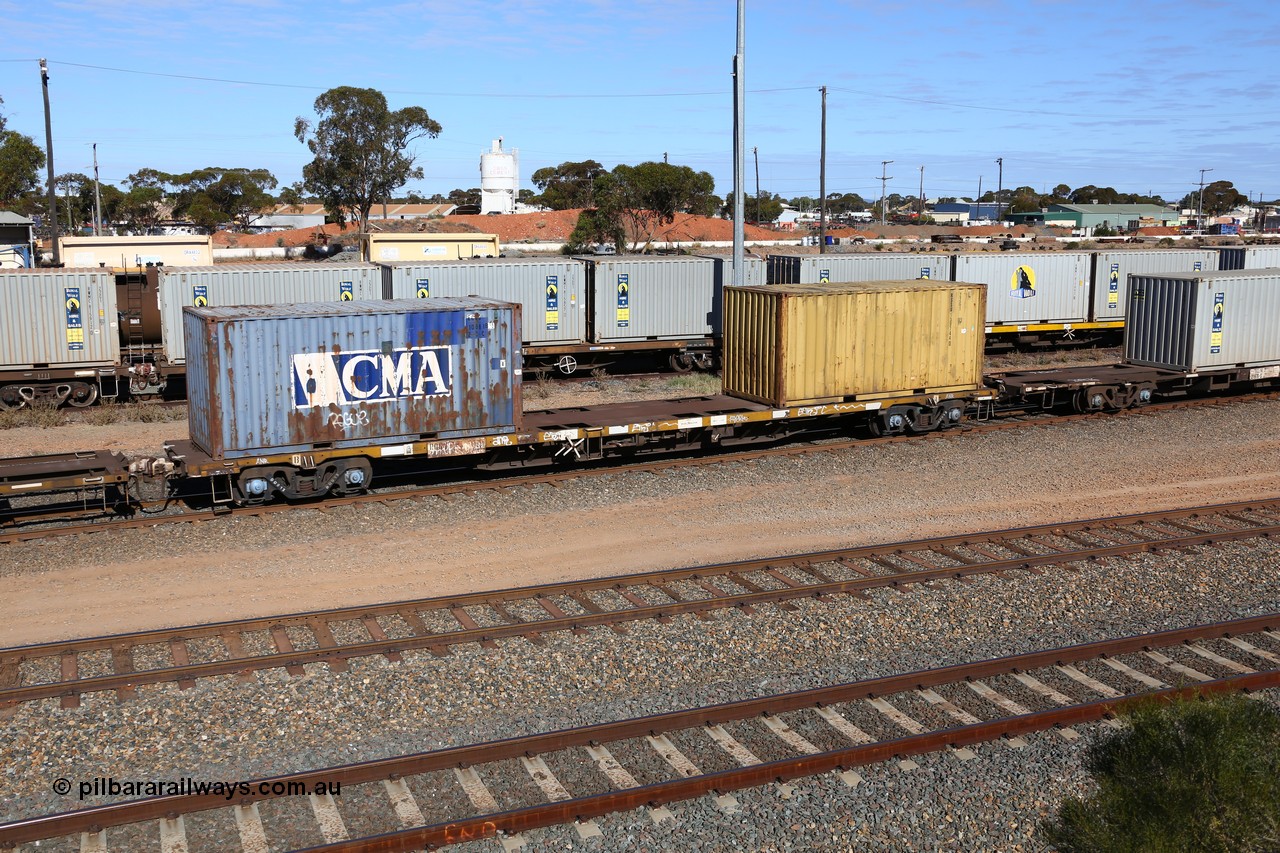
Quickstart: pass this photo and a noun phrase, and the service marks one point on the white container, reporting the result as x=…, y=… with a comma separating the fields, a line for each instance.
x=256, y=284
x=1049, y=288
x=1111, y=271
x=1211, y=321
x=551, y=292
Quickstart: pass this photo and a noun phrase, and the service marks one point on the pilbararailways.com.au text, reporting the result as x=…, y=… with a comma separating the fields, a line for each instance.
x=106, y=786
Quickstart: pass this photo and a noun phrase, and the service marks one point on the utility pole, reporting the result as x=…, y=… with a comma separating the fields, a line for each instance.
x=48, y=141
x=977, y=202
x=739, y=131
x=999, y=186
x=1200, y=205
x=884, y=180
x=97, y=197
x=755, y=152
x=921, y=216
x=822, y=179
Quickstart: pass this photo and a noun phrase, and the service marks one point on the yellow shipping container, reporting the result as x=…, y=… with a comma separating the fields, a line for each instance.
x=128, y=253
x=429, y=246
x=801, y=344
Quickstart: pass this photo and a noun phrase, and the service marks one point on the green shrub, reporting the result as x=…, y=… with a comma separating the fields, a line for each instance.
x=1192, y=775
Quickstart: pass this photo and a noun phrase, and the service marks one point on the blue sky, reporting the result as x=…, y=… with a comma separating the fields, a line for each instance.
x=1135, y=95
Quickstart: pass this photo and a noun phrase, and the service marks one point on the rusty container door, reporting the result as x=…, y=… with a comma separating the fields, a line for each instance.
x=801, y=344
x=282, y=379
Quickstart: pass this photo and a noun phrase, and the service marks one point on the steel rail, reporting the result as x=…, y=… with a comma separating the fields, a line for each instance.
x=95, y=818
x=782, y=770
x=440, y=640
x=1019, y=419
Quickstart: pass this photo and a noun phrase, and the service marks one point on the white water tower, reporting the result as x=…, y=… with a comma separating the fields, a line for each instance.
x=499, y=179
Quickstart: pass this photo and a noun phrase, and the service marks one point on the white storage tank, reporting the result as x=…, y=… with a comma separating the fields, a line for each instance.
x=499, y=179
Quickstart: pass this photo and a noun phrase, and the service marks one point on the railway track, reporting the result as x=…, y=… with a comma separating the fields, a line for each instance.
x=41, y=522
x=66, y=670
x=572, y=776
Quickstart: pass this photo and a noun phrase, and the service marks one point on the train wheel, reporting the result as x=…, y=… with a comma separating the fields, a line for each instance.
x=14, y=397
x=82, y=395
x=681, y=362
x=948, y=416
x=255, y=485
x=567, y=365
x=352, y=476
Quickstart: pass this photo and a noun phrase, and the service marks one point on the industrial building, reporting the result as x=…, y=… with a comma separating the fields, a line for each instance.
x=1119, y=217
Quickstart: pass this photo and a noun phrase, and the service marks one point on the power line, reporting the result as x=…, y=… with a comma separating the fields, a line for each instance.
x=547, y=97
x=1022, y=111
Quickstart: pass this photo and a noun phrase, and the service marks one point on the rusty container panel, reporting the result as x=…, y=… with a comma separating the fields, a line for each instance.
x=1209, y=321
x=256, y=284
x=642, y=298
x=284, y=379
x=888, y=266
x=58, y=319
x=1111, y=271
x=801, y=344
x=551, y=291
x=1029, y=288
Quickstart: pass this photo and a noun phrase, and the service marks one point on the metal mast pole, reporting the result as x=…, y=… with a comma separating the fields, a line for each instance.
x=1200, y=204
x=739, y=131
x=822, y=179
x=999, y=187
x=921, y=192
x=97, y=196
x=884, y=180
x=48, y=141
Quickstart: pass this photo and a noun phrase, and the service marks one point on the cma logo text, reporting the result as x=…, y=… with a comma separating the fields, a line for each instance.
x=370, y=376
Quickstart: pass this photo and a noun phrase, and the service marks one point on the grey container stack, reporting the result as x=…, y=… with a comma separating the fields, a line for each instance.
x=256, y=284
x=822, y=269
x=287, y=379
x=1210, y=321
x=636, y=298
x=1112, y=270
x=1029, y=289
x=551, y=292
x=1249, y=257
x=58, y=319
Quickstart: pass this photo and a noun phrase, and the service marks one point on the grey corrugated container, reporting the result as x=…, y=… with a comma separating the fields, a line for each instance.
x=896, y=266
x=40, y=328
x=283, y=379
x=548, y=318
x=636, y=298
x=1058, y=291
x=1204, y=322
x=755, y=272
x=257, y=284
x=1109, y=304
x=1248, y=257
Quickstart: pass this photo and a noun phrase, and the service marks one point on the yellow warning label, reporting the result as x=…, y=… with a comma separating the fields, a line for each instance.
x=1215, y=339
x=75, y=336
x=624, y=315
x=553, y=317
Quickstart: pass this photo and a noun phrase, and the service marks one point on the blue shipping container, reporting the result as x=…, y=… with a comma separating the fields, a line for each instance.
x=290, y=378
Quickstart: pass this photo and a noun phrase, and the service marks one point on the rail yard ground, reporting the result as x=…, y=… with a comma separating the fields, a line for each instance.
x=227, y=728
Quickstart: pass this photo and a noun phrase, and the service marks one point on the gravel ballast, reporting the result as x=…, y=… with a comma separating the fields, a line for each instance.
x=226, y=729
